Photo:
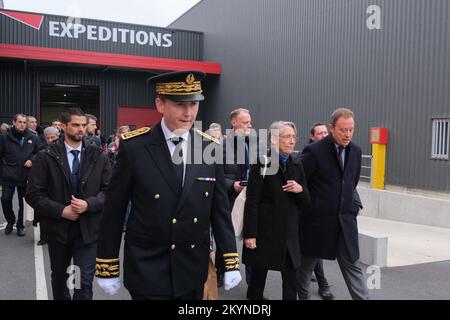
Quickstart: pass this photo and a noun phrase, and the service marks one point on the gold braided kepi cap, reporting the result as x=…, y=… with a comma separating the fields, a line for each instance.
x=180, y=85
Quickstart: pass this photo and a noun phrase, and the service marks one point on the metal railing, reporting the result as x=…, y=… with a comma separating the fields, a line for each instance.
x=366, y=170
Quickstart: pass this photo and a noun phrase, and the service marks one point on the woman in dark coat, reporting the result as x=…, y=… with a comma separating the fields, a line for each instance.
x=272, y=213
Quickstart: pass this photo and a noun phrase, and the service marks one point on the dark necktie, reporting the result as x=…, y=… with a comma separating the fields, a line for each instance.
x=247, y=162
x=177, y=154
x=75, y=172
x=341, y=162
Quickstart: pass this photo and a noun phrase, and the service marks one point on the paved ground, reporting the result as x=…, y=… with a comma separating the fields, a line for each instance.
x=408, y=243
x=419, y=281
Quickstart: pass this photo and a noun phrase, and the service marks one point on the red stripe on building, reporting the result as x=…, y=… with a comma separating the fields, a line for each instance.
x=30, y=19
x=105, y=59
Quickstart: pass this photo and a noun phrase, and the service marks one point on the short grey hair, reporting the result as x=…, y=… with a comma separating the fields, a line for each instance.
x=277, y=125
x=123, y=128
x=237, y=111
x=215, y=125
x=51, y=130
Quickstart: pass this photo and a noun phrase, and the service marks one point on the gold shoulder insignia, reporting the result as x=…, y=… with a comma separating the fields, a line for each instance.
x=207, y=136
x=135, y=133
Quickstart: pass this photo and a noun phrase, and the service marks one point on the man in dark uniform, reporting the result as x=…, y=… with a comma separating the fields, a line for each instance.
x=174, y=203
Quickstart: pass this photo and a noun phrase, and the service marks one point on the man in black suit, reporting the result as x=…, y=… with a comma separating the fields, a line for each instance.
x=236, y=159
x=174, y=203
x=67, y=187
x=329, y=228
x=318, y=132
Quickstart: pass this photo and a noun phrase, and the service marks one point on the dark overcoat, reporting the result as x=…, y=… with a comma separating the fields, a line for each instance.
x=334, y=208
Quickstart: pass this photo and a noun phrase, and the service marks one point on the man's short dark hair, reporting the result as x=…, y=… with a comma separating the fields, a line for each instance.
x=89, y=117
x=67, y=114
x=341, y=113
x=313, y=128
x=19, y=115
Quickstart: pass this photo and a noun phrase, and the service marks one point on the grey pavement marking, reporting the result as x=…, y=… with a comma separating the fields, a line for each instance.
x=41, y=284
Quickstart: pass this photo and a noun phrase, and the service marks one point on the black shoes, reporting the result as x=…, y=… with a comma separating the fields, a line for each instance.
x=313, y=278
x=9, y=228
x=41, y=242
x=325, y=293
x=219, y=279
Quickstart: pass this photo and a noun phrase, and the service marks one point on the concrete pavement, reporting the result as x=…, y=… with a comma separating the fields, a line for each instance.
x=419, y=267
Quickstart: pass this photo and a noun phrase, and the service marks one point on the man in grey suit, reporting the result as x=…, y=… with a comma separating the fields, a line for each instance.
x=329, y=229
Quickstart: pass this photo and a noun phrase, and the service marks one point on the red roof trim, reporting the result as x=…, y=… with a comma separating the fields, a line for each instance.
x=105, y=59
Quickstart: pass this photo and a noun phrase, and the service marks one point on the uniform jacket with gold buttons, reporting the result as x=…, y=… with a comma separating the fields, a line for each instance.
x=167, y=239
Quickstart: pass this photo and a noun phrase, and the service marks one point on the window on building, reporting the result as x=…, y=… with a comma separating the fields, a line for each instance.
x=440, y=139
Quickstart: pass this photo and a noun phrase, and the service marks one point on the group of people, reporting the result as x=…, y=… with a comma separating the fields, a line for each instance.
x=303, y=211
x=19, y=144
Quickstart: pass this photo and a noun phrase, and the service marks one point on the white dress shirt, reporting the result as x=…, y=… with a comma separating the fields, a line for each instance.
x=168, y=135
x=70, y=156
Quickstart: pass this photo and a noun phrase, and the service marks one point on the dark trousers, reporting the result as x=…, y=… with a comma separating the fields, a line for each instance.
x=255, y=289
x=353, y=275
x=7, y=204
x=83, y=257
x=320, y=274
x=196, y=294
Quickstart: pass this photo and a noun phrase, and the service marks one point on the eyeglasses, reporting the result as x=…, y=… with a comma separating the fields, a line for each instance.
x=289, y=137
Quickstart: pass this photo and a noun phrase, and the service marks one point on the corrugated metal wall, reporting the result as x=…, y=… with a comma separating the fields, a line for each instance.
x=300, y=59
x=19, y=86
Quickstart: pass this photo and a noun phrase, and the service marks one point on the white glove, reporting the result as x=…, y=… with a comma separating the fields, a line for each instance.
x=109, y=285
x=231, y=279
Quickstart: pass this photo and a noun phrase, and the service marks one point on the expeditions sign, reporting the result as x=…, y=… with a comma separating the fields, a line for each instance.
x=51, y=31
x=102, y=33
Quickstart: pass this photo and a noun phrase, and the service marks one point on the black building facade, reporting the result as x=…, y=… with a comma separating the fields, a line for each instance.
x=48, y=63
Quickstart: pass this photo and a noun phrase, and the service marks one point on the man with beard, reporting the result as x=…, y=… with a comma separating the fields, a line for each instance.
x=67, y=187
x=91, y=137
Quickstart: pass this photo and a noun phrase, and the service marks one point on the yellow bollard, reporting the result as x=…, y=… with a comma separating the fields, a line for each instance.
x=378, y=139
